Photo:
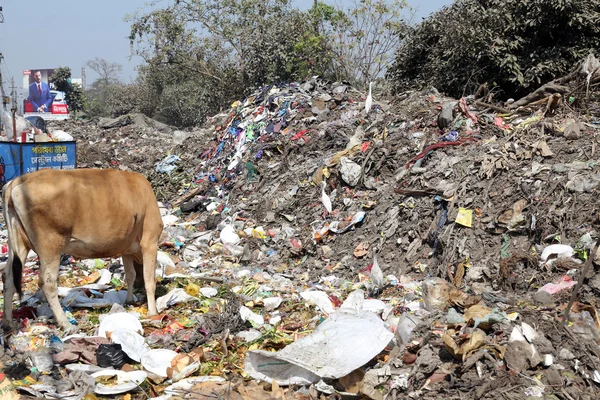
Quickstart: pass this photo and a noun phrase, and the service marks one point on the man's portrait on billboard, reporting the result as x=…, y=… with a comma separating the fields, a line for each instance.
x=39, y=94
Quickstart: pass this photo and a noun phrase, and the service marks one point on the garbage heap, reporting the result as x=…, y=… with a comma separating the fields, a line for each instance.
x=427, y=247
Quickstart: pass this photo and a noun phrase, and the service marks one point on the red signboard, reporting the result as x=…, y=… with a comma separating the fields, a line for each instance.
x=27, y=72
x=59, y=109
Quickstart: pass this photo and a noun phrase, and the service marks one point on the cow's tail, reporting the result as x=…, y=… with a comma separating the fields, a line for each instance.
x=11, y=220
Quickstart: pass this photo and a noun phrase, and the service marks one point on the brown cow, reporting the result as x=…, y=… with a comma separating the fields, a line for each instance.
x=87, y=213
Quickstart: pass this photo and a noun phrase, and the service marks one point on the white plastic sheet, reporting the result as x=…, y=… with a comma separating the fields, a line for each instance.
x=229, y=236
x=561, y=250
x=247, y=315
x=122, y=320
x=157, y=361
x=131, y=342
x=319, y=299
x=341, y=344
x=175, y=296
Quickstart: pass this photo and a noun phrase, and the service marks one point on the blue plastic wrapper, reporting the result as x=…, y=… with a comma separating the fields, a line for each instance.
x=450, y=137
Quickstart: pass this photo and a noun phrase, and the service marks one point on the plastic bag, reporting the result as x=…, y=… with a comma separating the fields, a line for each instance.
x=168, y=165
x=341, y=344
x=42, y=361
x=406, y=326
x=175, y=296
x=61, y=136
x=22, y=125
x=350, y=171
x=131, y=342
x=319, y=299
x=229, y=236
x=111, y=355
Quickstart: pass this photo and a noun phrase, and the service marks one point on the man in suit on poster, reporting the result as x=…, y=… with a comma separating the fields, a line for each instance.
x=39, y=94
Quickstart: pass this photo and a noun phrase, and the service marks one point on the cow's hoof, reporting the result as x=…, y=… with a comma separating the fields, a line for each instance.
x=70, y=329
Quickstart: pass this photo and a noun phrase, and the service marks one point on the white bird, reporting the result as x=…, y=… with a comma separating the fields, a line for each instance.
x=369, y=101
x=376, y=274
x=164, y=261
x=324, y=198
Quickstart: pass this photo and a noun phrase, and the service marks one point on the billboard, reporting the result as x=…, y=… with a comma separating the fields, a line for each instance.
x=42, y=98
x=45, y=76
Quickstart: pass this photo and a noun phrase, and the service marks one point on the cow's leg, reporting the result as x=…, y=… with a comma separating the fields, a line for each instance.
x=10, y=273
x=17, y=255
x=9, y=293
x=149, y=253
x=49, y=266
x=139, y=272
x=130, y=275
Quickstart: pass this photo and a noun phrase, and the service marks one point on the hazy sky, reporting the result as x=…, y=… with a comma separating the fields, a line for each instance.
x=58, y=33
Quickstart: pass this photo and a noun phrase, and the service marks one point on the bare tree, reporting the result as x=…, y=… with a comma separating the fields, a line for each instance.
x=109, y=72
x=364, y=37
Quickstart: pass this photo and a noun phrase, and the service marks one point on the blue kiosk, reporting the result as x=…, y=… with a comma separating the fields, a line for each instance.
x=21, y=158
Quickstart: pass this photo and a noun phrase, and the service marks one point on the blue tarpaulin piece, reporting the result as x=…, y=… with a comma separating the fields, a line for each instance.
x=168, y=164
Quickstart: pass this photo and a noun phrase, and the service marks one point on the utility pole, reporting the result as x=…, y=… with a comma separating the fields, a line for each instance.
x=14, y=108
x=83, y=83
x=315, y=5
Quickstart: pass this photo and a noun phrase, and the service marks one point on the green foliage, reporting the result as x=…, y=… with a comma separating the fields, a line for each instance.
x=61, y=78
x=74, y=94
x=513, y=45
x=213, y=51
x=278, y=50
x=107, y=96
x=184, y=104
x=240, y=32
x=115, y=99
x=75, y=98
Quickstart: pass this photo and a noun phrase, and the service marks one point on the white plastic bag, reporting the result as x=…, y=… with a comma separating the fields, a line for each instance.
x=341, y=344
x=247, y=315
x=61, y=136
x=320, y=299
x=350, y=171
x=561, y=250
x=229, y=236
x=157, y=361
x=175, y=296
x=22, y=125
x=112, y=322
x=131, y=342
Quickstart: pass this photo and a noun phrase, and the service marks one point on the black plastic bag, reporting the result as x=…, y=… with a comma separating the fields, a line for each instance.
x=111, y=355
